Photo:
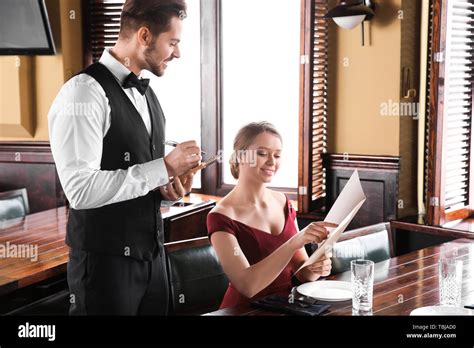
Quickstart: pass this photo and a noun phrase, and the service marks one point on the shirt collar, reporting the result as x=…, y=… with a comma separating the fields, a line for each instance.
x=119, y=70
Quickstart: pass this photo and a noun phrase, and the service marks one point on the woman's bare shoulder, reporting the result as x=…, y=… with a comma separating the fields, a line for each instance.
x=224, y=207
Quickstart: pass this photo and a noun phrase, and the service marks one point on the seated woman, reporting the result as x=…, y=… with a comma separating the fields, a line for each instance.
x=254, y=230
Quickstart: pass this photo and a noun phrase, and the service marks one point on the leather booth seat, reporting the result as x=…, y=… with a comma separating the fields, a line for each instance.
x=197, y=281
x=370, y=243
x=13, y=204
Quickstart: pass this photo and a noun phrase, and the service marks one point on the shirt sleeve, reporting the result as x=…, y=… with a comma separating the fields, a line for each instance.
x=220, y=223
x=78, y=121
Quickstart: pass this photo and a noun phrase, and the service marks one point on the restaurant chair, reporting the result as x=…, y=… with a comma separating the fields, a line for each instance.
x=14, y=204
x=371, y=243
x=197, y=281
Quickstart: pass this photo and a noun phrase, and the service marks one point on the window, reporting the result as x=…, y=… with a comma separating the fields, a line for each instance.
x=179, y=89
x=260, y=75
x=450, y=191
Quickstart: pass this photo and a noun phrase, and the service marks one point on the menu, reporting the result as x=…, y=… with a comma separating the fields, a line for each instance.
x=342, y=212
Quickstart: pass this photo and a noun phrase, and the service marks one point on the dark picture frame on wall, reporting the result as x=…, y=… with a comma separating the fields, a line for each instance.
x=18, y=41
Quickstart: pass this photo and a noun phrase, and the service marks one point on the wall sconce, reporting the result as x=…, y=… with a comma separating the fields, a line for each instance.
x=350, y=13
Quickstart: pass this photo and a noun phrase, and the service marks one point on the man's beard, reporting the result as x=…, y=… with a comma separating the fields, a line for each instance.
x=152, y=66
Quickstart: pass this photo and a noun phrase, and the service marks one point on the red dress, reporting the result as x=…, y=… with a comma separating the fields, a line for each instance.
x=256, y=245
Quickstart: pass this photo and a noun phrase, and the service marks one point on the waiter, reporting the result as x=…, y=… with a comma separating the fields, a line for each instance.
x=107, y=131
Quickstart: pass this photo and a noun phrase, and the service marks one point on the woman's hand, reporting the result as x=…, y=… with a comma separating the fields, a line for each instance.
x=322, y=267
x=315, y=232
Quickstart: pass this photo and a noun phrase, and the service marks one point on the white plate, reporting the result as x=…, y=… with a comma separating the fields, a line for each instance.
x=327, y=290
x=442, y=310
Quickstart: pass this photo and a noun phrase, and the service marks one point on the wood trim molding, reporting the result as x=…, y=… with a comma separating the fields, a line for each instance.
x=211, y=93
x=436, y=113
x=365, y=162
x=427, y=229
x=25, y=152
x=304, y=153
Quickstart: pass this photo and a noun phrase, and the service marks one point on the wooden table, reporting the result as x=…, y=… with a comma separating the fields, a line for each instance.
x=45, y=231
x=401, y=284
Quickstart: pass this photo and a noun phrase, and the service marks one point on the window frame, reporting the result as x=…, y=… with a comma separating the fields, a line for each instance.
x=313, y=106
x=436, y=177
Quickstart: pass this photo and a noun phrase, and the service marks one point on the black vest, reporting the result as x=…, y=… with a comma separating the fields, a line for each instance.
x=134, y=227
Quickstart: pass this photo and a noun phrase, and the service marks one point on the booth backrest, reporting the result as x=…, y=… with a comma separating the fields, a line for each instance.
x=13, y=204
x=197, y=281
x=371, y=243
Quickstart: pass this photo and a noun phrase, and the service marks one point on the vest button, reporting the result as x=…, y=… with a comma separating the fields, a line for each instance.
x=154, y=147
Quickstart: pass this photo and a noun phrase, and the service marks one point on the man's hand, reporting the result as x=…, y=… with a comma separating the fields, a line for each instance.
x=177, y=189
x=183, y=158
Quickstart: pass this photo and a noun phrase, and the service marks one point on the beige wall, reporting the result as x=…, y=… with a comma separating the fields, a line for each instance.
x=371, y=77
x=40, y=77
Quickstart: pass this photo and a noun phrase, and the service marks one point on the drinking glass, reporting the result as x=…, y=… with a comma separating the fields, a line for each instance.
x=450, y=282
x=362, y=279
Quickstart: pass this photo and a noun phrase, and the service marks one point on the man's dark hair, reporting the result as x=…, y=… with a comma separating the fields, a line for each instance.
x=156, y=15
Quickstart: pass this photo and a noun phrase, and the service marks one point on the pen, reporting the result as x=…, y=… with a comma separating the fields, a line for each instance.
x=205, y=164
x=174, y=144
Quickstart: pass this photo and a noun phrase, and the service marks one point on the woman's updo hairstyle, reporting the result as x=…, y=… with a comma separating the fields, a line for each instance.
x=244, y=138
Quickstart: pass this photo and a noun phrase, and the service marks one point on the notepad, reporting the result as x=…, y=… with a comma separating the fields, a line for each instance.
x=342, y=212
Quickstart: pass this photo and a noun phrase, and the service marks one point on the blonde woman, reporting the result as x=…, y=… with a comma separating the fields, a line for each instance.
x=254, y=230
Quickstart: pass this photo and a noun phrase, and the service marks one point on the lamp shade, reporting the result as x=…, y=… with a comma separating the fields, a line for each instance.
x=350, y=13
x=349, y=22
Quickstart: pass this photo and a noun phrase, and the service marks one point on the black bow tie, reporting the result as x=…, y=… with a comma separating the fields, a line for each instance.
x=133, y=81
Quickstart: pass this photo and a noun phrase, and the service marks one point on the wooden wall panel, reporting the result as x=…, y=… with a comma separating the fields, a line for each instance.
x=379, y=178
x=30, y=165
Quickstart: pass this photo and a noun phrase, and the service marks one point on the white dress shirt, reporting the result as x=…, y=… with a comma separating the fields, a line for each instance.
x=78, y=122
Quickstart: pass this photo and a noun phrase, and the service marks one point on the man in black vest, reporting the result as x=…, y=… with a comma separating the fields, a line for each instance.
x=107, y=133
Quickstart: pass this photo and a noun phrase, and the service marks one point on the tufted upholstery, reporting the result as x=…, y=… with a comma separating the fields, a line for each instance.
x=197, y=281
x=372, y=243
x=13, y=204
